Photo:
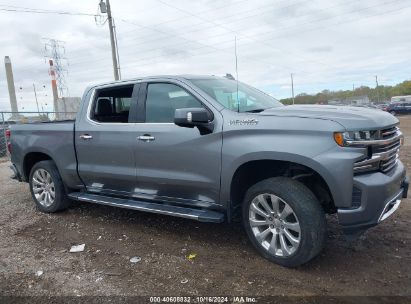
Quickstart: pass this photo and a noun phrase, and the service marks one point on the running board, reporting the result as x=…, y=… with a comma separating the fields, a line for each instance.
x=190, y=213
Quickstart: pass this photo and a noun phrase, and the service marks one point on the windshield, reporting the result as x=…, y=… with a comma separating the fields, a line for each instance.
x=246, y=99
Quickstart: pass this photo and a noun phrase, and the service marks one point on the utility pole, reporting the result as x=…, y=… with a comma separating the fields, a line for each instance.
x=35, y=96
x=376, y=88
x=105, y=8
x=10, y=84
x=292, y=87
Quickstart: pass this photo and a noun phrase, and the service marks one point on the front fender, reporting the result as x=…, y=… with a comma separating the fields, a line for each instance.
x=311, y=148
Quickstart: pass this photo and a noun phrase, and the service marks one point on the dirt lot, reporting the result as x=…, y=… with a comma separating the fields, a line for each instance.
x=377, y=264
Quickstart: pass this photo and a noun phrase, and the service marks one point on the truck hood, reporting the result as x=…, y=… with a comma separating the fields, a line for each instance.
x=352, y=118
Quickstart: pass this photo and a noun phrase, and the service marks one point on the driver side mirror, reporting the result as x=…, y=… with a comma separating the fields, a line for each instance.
x=194, y=117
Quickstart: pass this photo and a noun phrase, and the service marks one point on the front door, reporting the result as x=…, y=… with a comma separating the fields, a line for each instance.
x=105, y=141
x=175, y=163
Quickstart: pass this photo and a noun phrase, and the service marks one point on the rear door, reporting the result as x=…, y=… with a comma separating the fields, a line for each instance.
x=105, y=140
x=176, y=163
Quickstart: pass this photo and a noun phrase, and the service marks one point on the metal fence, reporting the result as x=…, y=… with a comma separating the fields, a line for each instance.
x=10, y=118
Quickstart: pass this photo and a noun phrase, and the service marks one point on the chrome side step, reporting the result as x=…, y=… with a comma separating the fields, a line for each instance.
x=190, y=213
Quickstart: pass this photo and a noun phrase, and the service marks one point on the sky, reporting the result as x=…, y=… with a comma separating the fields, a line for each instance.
x=325, y=44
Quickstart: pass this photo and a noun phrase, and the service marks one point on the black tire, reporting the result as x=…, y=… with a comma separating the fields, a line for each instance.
x=61, y=200
x=307, y=209
x=393, y=113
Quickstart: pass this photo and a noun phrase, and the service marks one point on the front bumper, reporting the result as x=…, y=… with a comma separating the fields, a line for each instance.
x=380, y=195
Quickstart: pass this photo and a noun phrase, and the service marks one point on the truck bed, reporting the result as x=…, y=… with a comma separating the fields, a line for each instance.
x=51, y=138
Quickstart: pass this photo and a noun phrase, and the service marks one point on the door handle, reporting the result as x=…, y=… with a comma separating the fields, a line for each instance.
x=86, y=136
x=146, y=138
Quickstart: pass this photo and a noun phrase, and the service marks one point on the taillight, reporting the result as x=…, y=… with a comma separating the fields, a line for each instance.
x=8, y=134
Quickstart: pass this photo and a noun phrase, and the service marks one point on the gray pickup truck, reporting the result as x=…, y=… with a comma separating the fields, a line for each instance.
x=213, y=149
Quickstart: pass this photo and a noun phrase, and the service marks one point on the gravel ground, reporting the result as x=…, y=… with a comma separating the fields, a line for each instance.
x=225, y=264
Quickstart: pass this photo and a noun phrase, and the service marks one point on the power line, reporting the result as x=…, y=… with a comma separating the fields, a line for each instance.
x=227, y=17
x=168, y=35
x=202, y=47
x=144, y=59
x=347, y=81
x=200, y=12
x=233, y=31
x=274, y=47
x=19, y=9
x=142, y=63
x=219, y=24
x=301, y=25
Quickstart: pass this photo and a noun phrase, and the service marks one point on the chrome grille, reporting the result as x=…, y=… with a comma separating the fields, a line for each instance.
x=384, y=152
x=390, y=150
x=387, y=165
x=386, y=133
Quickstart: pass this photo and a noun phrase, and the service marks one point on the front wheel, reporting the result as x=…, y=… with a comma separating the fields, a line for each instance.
x=284, y=221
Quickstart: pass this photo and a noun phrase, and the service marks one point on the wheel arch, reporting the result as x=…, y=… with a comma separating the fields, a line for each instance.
x=254, y=169
x=32, y=158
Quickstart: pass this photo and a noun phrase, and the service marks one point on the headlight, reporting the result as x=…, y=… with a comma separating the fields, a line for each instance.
x=367, y=138
x=344, y=139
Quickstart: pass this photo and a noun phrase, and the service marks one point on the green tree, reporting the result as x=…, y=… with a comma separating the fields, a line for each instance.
x=382, y=93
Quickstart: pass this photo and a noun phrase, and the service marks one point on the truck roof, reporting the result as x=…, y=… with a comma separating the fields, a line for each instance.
x=183, y=76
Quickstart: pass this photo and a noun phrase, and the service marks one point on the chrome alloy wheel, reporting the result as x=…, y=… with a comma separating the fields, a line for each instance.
x=274, y=225
x=43, y=187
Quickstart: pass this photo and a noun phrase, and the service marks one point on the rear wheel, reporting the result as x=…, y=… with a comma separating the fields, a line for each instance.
x=47, y=188
x=284, y=221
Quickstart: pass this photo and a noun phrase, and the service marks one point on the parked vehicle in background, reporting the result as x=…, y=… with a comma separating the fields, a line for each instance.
x=382, y=106
x=369, y=106
x=399, y=108
x=401, y=99
x=372, y=106
x=212, y=149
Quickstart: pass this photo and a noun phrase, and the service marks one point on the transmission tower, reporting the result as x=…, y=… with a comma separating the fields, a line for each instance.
x=55, y=50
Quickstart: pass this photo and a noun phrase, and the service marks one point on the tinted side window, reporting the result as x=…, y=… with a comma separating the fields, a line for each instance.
x=112, y=105
x=164, y=98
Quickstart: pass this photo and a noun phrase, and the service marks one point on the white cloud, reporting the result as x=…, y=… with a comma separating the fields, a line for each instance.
x=327, y=45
